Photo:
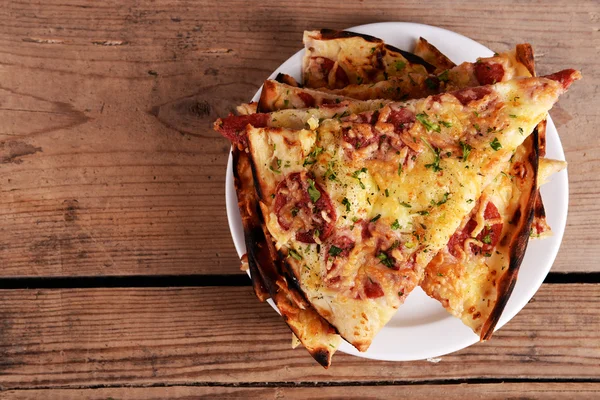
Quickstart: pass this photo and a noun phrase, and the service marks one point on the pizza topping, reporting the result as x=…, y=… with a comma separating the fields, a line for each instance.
x=485, y=240
x=401, y=118
x=495, y=144
x=360, y=136
x=488, y=73
x=565, y=77
x=372, y=289
x=234, y=127
x=466, y=96
x=302, y=204
x=309, y=100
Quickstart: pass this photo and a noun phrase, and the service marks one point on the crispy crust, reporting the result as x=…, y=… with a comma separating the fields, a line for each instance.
x=524, y=54
x=518, y=239
x=277, y=96
x=432, y=55
x=318, y=337
x=287, y=79
x=331, y=34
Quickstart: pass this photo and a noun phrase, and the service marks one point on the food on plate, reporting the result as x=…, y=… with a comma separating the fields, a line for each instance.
x=348, y=205
x=432, y=55
x=335, y=59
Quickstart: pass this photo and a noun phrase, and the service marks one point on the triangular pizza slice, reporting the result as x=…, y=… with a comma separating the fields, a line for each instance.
x=358, y=208
x=335, y=59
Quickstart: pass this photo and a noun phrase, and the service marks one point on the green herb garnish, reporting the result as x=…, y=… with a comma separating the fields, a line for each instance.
x=430, y=126
x=313, y=192
x=495, y=144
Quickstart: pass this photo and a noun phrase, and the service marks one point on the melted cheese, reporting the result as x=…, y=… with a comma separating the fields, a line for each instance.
x=429, y=198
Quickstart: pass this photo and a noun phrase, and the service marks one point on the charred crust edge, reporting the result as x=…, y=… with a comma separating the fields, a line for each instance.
x=517, y=248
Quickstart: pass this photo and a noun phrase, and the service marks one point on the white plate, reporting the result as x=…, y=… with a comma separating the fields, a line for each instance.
x=422, y=328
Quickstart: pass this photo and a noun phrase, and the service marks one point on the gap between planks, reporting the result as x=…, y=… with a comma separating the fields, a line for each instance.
x=200, y=280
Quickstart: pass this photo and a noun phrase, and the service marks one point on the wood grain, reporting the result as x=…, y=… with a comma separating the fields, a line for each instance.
x=210, y=336
x=451, y=392
x=108, y=165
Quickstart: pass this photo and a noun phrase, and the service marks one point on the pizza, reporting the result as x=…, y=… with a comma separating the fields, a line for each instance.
x=340, y=266
x=374, y=169
x=336, y=59
x=432, y=55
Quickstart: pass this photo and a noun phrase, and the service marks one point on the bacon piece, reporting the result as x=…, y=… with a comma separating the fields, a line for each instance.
x=565, y=77
x=309, y=101
x=488, y=73
x=293, y=203
x=401, y=118
x=372, y=289
x=234, y=126
x=465, y=96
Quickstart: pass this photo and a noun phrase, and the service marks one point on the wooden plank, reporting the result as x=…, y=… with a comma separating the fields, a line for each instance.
x=492, y=391
x=108, y=164
x=207, y=336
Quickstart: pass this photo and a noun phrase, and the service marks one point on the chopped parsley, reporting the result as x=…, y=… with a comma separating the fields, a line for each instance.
x=400, y=168
x=520, y=130
x=466, y=150
x=385, y=260
x=387, y=193
x=469, y=201
x=294, y=254
x=295, y=211
x=424, y=212
x=487, y=239
x=346, y=203
x=278, y=170
x=405, y=204
x=400, y=65
x=446, y=124
x=512, y=116
x=373, y=50
x=475, y=113
x=312, y=156
x=375, y=218
x=395, y=225
x=335, y=251
x=430, y=126
x=286, y=102
x=313, y=192
x=356, y=175
x=443, y=76
x=443, y=200
x=359, y=79
x=495, y=144
x=435, y=165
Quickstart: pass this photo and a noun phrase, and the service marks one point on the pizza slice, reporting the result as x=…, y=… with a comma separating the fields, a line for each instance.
x=351, y=206
x=485, y=71
x=315, y=333
x=433, y=56
x=335, y=59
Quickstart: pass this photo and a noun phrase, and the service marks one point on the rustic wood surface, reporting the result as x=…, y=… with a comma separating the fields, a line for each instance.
x=494, y=391
x=109, y=168
x=79, y=337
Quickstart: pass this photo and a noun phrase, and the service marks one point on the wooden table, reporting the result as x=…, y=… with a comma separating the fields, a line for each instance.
x=118, y=273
